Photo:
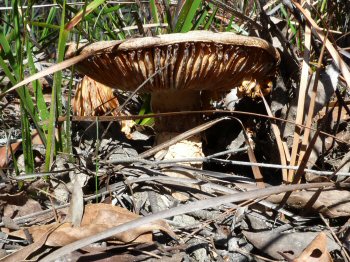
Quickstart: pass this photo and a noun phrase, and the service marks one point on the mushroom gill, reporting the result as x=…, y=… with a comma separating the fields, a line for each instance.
x=182, y=65
x=93, y=99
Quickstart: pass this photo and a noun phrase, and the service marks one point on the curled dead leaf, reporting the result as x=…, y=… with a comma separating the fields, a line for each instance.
x=25, y=252
x=5, y=152
x=98, y=218
x=280, y=245
x=316, y=251
x=331, y=203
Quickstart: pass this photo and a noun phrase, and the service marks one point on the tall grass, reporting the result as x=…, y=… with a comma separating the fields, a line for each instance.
x=28, y=34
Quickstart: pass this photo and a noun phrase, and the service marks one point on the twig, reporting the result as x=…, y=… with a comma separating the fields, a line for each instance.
x=168, y=114
x=193, y=206
x=239, y=15
x=343, y=249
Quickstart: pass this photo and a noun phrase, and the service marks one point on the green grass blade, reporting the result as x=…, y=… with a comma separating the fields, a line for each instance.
x=79, y=16
x=187, y=26
x=6, y=49
x=200, y=21
x=229, y=26
x=145, y=109
x=56, y=99
x=27, y=141
x=168, y=18
x=7, y=71
x=211, y=19
x=25, y=97
x=285, y=14
x=37, y=87
x=154, y=12
x=187, y=14
x=49, y=20
x=23, y=92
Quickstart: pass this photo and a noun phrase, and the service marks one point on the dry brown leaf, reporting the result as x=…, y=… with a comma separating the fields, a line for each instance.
x=331, y=203
x=97, y=218
x=316, y=251
x=279, y=244
x=21, y=209
x=18, y=199
x=25, y=252
x=5, y=152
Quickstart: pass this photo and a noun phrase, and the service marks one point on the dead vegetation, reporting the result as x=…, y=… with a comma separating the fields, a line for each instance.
x=256, y=170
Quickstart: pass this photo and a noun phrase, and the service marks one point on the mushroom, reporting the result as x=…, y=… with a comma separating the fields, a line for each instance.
x=94, y=99
x=188, y=64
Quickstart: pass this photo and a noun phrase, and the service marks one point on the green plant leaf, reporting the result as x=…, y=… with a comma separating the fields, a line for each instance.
x=186, y=16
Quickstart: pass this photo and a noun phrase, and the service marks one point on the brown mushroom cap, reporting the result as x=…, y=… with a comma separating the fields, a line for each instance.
x=198, y=60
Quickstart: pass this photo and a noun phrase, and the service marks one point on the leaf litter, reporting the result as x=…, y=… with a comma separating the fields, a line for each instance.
x=218, y=212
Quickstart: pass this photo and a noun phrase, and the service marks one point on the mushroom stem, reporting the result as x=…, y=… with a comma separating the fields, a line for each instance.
x=169, y=127
x=176, y=101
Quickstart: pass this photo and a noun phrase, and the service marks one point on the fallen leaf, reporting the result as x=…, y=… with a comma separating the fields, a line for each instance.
x=316, y=251
x=97, y=218
x=331, y=203
x=28, y=207
x=274, y=242
x=25, y=252
x=18, y=199
x=5, y=152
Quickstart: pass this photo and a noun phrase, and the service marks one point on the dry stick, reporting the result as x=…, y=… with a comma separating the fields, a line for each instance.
x=256, y=171
x=133, y=160
x=134, y=27
x=133, y=117
x=53, y=69
x=301, y=100
x=279, y=141
x=331, y=49
x=342, y=246
x=161, y=163
x=301, y=169
x=182, y=136
x=312, y=104
x=193, y=206
x=239, y=15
